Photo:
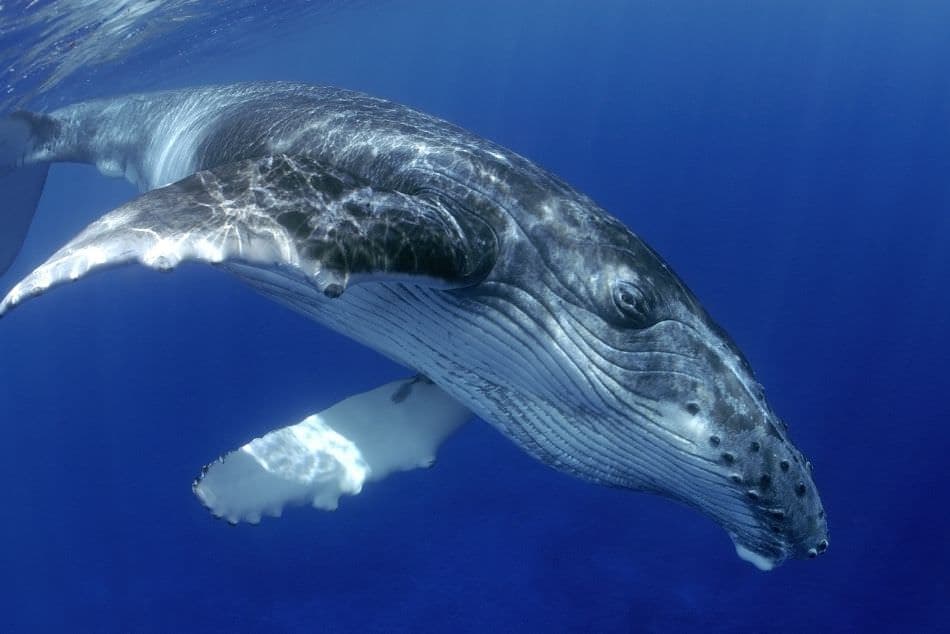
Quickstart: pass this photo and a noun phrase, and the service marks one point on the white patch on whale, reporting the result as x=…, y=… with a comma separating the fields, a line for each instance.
x=762, y=563
x=396, y=427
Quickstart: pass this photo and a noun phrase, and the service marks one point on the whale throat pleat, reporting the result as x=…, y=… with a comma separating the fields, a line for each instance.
x=407, y=322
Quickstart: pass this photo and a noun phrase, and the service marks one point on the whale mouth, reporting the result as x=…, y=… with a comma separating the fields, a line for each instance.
x=768, y=555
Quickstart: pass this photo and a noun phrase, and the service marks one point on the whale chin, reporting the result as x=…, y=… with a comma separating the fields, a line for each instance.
x=763, y=562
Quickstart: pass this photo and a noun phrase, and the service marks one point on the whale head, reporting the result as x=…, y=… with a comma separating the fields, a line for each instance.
x=665, y=401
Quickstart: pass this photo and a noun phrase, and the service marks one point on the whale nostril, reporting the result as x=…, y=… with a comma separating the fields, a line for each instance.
x=823, y=545
x=728, y=458
x=692, y=408
x=714, y=441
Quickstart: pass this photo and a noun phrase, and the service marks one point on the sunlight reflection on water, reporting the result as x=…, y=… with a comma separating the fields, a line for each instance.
x=67, y=44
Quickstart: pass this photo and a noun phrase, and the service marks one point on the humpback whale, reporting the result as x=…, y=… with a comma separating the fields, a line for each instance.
x=508, y=294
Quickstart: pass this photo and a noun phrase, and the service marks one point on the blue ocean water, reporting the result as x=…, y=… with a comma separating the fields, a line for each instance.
x=788, y=159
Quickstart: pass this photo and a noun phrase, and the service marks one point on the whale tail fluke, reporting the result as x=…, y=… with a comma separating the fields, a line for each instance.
x=21, y=179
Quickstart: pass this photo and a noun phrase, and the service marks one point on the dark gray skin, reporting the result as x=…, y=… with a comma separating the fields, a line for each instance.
x=516, y=294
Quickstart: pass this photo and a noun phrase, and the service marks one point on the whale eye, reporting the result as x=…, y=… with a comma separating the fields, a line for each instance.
x=635, y=305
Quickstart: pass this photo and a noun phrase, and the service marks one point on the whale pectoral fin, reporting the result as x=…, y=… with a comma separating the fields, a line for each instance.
x=317, y=222
x=396, y=427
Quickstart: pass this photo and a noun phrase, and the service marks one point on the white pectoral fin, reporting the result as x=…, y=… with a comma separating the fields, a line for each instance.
x=396, y=427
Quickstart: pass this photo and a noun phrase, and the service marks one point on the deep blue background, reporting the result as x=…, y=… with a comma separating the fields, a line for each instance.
x=789, y=159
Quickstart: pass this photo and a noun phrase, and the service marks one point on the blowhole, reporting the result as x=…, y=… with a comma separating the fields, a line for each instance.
x=692, y=408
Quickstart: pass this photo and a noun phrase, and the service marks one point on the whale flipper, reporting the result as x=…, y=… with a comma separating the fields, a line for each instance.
x=21, y=182
x=311, y=221
x=396, y=427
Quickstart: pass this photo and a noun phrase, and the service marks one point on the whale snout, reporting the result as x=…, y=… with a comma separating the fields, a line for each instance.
x=687, y=394
x=776, y=482
x=807, y=531
x=765, y=495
